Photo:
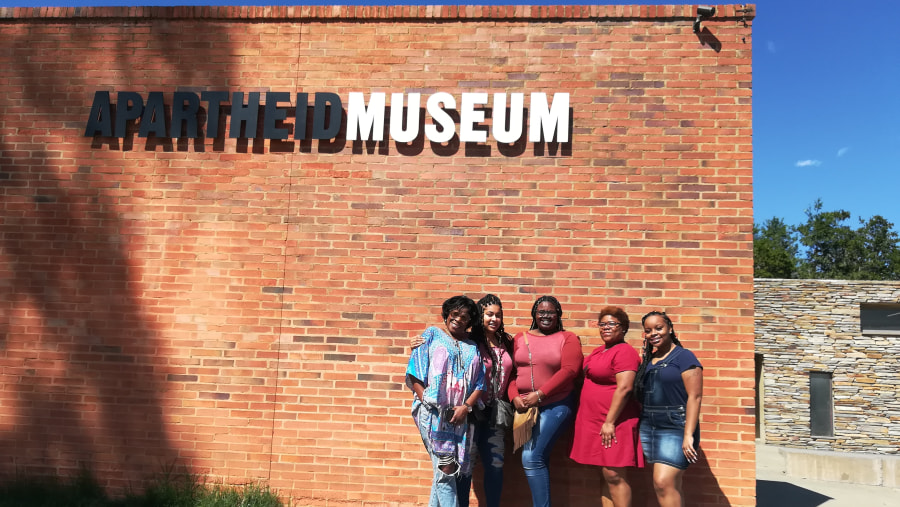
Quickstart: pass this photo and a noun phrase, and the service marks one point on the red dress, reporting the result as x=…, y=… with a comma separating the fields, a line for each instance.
x=600, y=370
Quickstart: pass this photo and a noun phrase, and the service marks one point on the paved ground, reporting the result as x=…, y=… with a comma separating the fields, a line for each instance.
x=775, y=489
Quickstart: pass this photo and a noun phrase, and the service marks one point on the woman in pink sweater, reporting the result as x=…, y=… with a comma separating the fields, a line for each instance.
x=548, y=360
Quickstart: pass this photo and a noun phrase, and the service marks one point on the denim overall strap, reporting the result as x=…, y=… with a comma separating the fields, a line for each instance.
x=653, y=375
x=670, y=357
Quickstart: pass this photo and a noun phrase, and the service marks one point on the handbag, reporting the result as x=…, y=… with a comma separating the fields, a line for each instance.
x=502, y=414
x=522, y=425
x=477, y=415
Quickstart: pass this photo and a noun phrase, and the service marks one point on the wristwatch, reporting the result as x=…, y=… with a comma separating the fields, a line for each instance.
x=468, y=407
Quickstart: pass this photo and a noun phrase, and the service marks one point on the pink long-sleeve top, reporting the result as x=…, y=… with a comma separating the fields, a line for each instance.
x=505, y=368
x=557, y=362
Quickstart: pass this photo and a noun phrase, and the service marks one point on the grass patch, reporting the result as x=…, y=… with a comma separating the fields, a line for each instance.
x=168, y=490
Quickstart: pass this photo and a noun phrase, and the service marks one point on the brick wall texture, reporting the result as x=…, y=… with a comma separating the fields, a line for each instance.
x=243, y=307
x=814, y=325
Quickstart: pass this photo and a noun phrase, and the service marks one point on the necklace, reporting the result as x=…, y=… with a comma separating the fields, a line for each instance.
x=496, y=365
x=458, y=360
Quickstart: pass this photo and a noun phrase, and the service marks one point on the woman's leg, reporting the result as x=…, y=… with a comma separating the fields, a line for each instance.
x=536, y=452
x=617, y=481
x=667, y=484
x=443, y=486
x=445, y=470
x=605, y=499
x=491, y=447
x=463, y=487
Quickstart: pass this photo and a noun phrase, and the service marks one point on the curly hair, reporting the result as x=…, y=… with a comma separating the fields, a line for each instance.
x=459, y=303
x=616, y=312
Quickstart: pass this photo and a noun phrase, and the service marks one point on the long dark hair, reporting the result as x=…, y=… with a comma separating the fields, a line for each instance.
x=479, y=336
x=547, y=299
x=647, y=354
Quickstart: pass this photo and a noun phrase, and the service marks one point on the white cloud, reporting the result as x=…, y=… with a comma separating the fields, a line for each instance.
x=808, y=163
x=770, y=45
x=843, y=151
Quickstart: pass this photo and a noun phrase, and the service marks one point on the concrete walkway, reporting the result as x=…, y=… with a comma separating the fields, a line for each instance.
x=776, y=488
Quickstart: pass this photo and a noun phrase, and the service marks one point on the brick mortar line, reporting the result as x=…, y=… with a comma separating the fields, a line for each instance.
x=732, y=12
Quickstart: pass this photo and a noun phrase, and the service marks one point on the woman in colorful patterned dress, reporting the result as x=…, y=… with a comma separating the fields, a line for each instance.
x=495, y=346
x=447, y=376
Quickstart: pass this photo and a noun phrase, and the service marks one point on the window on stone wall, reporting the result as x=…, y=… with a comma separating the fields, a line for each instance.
x=879, y=318
x=821, y=404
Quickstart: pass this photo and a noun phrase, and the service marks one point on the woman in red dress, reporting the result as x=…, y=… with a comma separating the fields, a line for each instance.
x=606, y=426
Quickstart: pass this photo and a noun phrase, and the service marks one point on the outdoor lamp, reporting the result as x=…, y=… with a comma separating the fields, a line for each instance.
x=703, y=12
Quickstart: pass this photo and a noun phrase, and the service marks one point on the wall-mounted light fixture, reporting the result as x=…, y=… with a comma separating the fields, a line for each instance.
x=703, y=12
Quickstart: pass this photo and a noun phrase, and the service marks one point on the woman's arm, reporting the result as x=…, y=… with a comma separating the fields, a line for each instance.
x=570, y=366
x=693, y=384
x=461, y=412
x=624, y=384
x=420, y=339
x=512, y=390
x=417, y=386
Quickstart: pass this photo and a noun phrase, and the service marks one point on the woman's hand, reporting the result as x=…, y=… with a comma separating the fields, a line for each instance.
x=624, y=381
x=608, y=434
x=416, y=341
x=518, y=404
x=693, y=384
x=530, y=400
x=687, y=447
x=460, y=414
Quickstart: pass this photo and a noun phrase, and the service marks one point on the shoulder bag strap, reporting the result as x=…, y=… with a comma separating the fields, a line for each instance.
x=530, y=361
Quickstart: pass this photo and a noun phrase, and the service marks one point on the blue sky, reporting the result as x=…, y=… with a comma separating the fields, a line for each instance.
x=826, y=101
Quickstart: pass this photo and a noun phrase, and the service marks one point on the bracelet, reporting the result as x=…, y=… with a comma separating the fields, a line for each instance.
x=540, y=398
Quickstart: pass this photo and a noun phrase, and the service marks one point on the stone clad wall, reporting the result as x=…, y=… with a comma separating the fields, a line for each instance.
x=814, y=325
x=242, y=305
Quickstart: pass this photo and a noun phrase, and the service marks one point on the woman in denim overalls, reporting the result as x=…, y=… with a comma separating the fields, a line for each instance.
x=669, y=383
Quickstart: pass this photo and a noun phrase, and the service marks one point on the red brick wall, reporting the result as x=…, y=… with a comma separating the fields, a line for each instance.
x=243, y=307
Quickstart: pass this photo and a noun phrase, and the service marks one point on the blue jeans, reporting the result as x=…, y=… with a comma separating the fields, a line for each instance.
x=447, y=490
x=491, y=446
x=552, y=420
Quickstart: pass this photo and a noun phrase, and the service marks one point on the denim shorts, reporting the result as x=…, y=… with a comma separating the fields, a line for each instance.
x=662, y=435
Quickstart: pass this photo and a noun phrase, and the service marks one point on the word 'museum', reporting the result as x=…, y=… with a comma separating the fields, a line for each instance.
x=547, y=121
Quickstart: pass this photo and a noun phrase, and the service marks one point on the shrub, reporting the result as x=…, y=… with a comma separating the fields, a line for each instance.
x=168, y=490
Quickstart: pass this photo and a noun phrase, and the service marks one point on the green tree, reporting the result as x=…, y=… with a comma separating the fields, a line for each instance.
x=826, y=247
x=774, y=250
x=880, y=251
x=833, y=249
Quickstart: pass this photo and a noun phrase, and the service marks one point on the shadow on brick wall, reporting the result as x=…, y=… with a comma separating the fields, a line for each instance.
x=81, y=365
x=83, y=371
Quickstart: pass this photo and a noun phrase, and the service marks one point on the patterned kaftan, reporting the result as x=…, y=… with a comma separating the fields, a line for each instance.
x=450, y=370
